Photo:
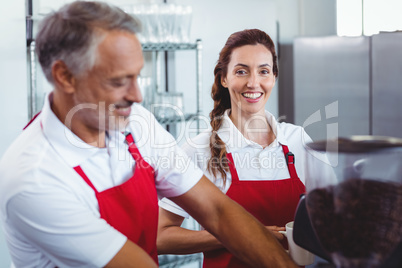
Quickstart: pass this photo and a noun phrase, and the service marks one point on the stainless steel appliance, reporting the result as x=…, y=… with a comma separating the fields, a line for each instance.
x=386, y=70
x=348, y=85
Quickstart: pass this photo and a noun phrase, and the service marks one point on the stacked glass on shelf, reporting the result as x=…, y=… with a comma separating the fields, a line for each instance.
x=162, y=23
x=164, y=105
x=164, y=26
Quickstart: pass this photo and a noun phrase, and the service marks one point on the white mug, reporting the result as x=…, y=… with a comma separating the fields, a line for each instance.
x=298, y=254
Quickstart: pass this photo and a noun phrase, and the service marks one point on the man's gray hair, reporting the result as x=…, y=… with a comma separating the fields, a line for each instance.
x=73, y=33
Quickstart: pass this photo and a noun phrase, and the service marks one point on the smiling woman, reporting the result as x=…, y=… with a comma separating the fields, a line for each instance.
x=246, y=154
x=250, y=80
x=245, y=75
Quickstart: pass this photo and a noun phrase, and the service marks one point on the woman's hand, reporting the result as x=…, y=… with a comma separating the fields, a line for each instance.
x=275, y=231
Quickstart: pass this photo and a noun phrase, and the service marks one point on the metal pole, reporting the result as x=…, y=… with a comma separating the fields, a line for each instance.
x=199, y=82
x=32, y=91
x=362, y=17
x=153, y=81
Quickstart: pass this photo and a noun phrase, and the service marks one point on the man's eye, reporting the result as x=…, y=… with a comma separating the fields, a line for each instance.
x=118, y=82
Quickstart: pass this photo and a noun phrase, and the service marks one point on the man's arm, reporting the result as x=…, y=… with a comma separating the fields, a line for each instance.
x=174, y=239
x=238, y=230
x=131, y=255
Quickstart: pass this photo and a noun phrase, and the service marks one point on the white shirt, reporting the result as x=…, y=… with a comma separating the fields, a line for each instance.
x=50, y=215
x=253, y=162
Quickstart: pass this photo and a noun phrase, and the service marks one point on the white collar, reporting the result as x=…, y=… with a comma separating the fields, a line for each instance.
x=69, y=146
x=235, y=140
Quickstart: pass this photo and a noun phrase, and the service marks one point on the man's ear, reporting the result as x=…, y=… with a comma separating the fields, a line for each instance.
x=62, y=76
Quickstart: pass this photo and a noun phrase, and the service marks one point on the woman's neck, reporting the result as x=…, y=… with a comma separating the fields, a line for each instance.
x=254, y=127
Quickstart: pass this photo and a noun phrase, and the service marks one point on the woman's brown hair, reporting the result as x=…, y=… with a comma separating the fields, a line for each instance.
x=218, y=163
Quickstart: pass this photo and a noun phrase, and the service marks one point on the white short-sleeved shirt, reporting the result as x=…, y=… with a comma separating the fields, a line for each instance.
x=50, y=215
x=252, y=161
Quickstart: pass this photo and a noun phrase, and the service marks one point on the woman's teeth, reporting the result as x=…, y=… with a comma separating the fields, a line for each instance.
x=252, y=95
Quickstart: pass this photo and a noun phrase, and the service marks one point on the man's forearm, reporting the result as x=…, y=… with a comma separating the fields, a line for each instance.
x=238, y=231
x=249, y=240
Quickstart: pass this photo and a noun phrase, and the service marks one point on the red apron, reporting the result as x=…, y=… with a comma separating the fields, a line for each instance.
x=271, y=202
x=132, y=207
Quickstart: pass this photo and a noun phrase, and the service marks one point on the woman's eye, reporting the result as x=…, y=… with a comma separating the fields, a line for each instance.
x=265, y=72
x=240, y=72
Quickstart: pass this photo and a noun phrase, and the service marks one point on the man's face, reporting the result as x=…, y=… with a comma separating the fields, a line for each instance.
x=104, y=95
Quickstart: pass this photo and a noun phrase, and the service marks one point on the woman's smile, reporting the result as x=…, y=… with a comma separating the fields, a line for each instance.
x=252, y=96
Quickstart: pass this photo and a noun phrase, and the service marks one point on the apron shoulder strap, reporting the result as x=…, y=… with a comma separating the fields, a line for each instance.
x=32, y=119
x=79, y=170
x=290, y=161
x=232, y=168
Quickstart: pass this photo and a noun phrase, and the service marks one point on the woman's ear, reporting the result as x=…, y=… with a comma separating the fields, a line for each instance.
x=62, y=76
x=223, y=82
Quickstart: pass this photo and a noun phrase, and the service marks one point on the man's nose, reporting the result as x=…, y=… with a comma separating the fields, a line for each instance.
x=134, y=92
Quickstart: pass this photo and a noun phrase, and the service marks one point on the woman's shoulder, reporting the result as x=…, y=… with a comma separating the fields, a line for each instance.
x=197, y=148
x=293, y=135
x=282, y=127
x=198, y=143
x=289, y=127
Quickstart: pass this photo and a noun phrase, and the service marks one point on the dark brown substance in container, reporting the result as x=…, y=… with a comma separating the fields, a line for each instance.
x=358, y=222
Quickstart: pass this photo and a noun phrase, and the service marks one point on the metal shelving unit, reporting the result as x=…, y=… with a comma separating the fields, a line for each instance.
x=169, y=46
x=171, y=261
x=154, y=49
x=176, y=261
x=176, y=119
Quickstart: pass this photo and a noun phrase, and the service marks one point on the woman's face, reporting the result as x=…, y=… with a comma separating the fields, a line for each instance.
x=249, y=79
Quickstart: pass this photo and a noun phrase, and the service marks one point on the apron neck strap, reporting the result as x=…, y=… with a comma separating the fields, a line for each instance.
x=132, y=148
